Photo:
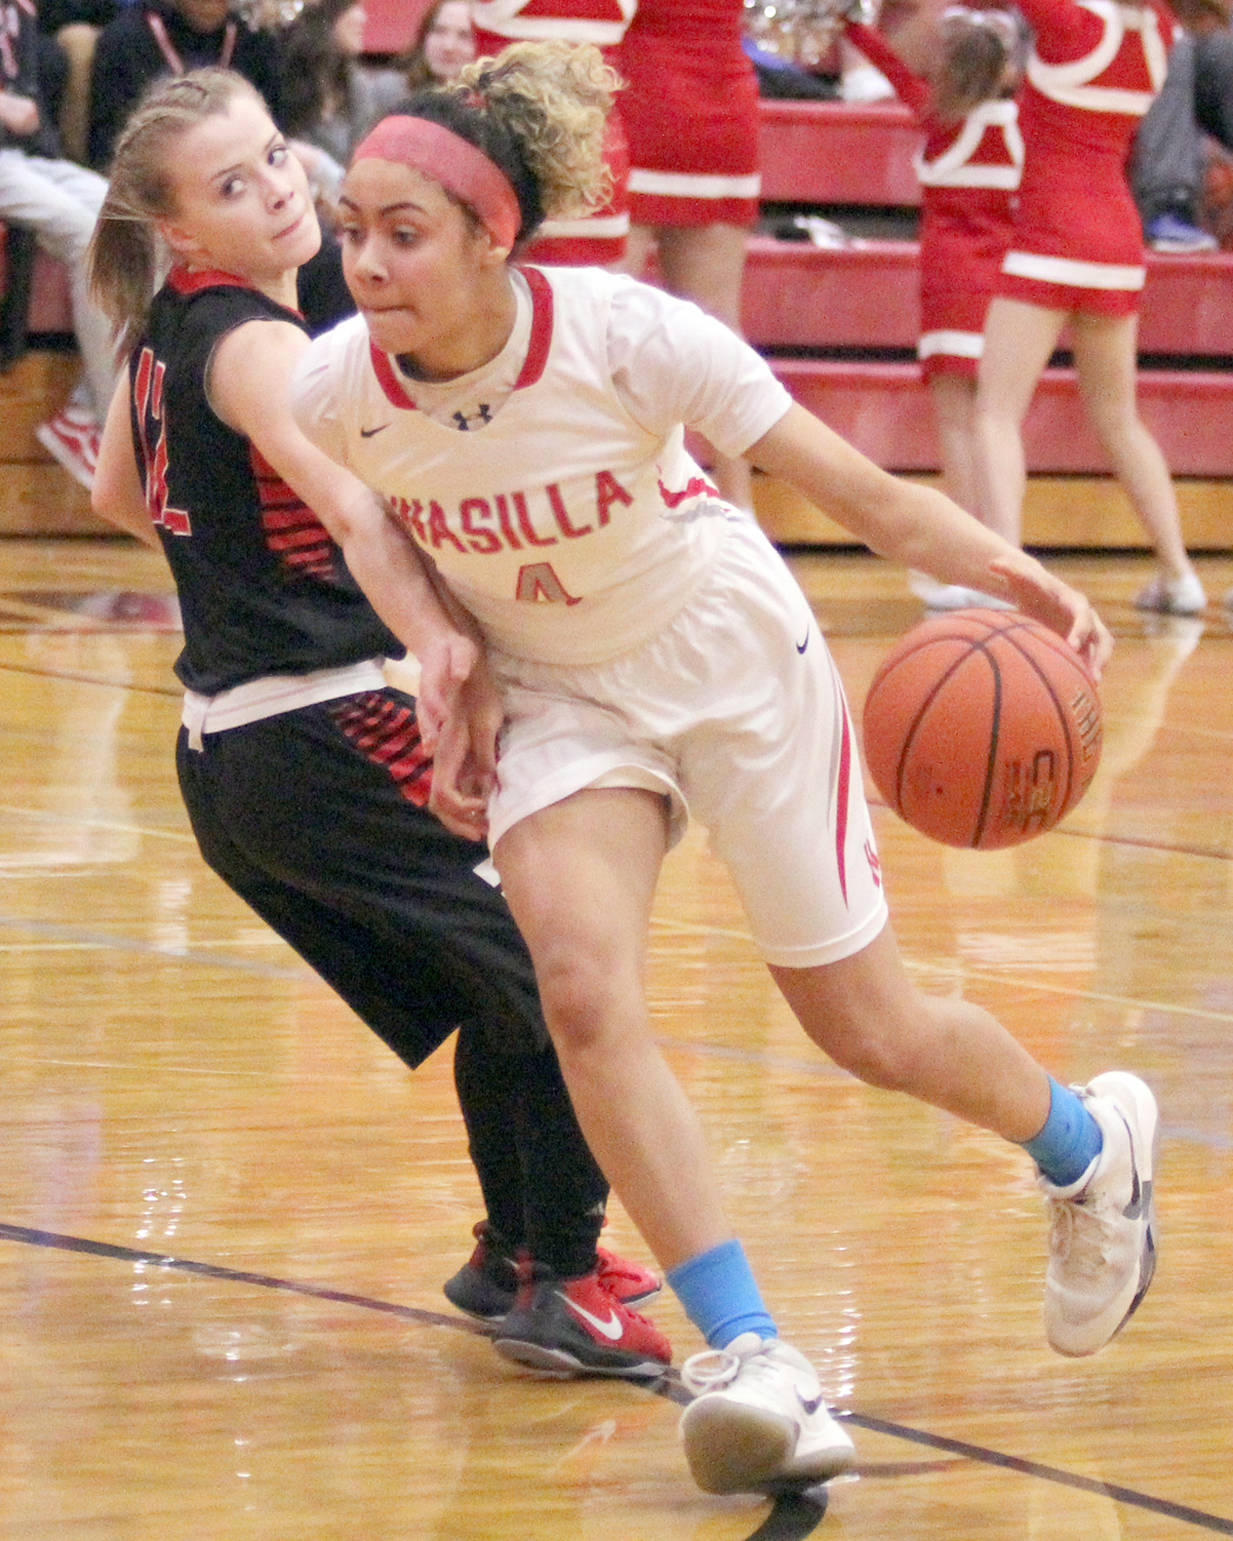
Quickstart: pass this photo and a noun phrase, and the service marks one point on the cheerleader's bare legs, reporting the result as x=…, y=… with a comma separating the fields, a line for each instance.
x=1019, y=340
x=953, y=398
x=1105, y=351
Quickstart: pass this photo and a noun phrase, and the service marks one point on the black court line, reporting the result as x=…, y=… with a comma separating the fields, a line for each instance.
x=793, y=1516
x=1114, y=1490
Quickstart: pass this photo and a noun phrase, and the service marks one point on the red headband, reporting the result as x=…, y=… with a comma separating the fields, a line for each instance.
x=455, y=163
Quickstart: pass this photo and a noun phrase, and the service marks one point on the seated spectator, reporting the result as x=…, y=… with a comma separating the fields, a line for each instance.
x=329, y=100
x=444, y=43
x=74, y=26
x=1167, y=166
x=59, y=201
x=167, y=37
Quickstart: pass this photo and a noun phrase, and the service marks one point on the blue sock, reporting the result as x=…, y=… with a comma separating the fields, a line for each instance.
x=720, y=1296
x=1070, y=1140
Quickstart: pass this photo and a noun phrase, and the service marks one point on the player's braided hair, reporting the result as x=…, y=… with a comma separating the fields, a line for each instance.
x=126, y=254
x=538, y=111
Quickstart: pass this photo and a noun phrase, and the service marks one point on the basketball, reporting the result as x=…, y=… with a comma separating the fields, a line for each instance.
x=982, y=728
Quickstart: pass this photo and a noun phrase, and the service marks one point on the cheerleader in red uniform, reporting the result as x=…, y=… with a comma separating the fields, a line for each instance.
x=1076, y=256
x=690, y=109
x=597, y=238
x=969, y=167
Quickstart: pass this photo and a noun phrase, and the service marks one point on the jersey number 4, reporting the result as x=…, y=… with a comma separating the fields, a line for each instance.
x=151, y=429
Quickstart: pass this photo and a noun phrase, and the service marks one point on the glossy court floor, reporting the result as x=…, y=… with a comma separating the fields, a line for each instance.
x=226, y=1210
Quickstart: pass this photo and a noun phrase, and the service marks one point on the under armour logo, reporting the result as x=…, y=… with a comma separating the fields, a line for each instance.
x=484, y=415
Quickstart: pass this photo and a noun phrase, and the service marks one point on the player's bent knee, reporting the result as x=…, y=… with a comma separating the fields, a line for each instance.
x=581, y=997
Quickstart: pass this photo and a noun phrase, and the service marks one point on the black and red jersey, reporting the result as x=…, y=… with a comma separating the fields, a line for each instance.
x=263, y=589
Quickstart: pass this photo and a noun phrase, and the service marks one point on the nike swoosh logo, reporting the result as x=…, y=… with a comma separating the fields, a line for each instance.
x=1140, y=1199
x=801, y=646
x=809, y=1404
x=611, y=1329
x=367, y=433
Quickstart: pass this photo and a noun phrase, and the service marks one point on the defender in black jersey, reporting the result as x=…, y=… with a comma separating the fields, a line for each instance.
x=307, y=786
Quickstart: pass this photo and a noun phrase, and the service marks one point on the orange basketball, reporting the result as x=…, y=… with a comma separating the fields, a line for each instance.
x=982, y=728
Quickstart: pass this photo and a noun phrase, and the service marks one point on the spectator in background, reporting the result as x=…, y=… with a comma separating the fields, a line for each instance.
x=444, y=43
x=329, y=100
x=59, y=201
x=1167, y=166
x=75, y=25
x=1076, y=258
x=169, y=37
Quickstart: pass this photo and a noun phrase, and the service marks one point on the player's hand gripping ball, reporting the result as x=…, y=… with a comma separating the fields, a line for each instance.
x=982, y=728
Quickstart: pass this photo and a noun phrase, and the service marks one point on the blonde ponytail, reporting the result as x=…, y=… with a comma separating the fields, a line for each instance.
x=126, y=254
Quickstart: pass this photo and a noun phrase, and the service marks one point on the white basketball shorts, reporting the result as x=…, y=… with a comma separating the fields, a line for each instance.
x=736, y=713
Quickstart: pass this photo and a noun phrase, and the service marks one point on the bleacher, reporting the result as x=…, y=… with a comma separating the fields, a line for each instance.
x=839, y=326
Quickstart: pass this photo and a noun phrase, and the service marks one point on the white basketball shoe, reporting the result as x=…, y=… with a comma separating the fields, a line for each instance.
x=1102, y=1239
x=758, y=1421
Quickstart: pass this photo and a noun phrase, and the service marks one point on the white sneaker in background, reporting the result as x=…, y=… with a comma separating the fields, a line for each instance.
x=951, y=596
x=1173, y=596
x=72, y=439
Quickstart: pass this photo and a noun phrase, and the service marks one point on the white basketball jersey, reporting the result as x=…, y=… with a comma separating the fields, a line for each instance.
x=570, y=530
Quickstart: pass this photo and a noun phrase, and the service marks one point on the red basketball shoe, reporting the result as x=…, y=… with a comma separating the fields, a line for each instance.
x=486, y=1284
x=631, y=1283
x=566, y=1327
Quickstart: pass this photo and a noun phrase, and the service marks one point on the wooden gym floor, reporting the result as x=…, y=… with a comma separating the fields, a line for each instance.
x=226, y=1210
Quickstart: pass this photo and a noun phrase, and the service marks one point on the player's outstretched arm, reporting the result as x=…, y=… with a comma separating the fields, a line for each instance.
x=923, y=529
x=249, y=389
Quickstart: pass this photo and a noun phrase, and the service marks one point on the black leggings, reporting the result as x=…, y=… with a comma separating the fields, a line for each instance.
x=319, y=837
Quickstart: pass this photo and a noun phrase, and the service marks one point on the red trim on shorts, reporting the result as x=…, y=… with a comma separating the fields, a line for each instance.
x=844, y=791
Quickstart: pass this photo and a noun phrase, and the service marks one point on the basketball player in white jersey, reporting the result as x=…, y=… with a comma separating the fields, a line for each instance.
x=656, y=656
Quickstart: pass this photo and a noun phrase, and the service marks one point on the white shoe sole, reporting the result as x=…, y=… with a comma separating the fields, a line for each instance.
x=560, y=1364
x=735, y=1448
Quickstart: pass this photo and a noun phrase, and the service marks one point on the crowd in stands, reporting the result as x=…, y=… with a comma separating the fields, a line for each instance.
x=71, y=71
x=683, y=143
